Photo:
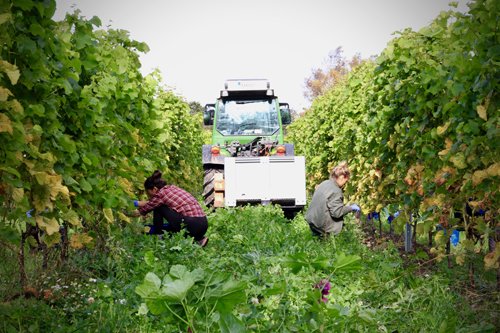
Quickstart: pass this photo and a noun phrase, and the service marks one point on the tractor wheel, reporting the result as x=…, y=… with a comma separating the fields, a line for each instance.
x=290, y=213
x=208, y=186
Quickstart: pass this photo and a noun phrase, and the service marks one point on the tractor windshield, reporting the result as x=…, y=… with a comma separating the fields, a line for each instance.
x=247, y=117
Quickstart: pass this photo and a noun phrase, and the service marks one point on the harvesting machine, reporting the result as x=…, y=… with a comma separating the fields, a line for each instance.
x=248, y=161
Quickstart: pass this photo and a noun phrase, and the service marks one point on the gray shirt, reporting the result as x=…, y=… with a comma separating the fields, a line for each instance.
x=326, y=210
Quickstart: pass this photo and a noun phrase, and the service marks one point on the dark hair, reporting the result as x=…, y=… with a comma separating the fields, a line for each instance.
x=154, y=181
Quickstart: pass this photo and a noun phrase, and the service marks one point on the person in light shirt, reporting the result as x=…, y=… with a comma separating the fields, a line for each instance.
x=175, y=205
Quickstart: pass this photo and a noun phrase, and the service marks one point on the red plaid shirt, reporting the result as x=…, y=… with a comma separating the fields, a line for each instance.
x=175, y=198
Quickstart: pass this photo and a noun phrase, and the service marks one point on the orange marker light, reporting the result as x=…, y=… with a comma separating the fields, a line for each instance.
x=215, y=150
x=280, y=150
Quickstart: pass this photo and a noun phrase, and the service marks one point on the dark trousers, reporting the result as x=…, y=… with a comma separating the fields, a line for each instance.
x=196, y=227
x=318, y=232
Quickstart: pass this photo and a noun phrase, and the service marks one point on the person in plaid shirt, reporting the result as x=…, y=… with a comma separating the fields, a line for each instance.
x=177, y=206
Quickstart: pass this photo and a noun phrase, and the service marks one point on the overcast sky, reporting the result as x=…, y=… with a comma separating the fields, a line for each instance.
x=198, y=44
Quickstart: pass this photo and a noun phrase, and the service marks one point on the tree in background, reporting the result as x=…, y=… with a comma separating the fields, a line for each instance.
x=335, y=68
x=195, y=107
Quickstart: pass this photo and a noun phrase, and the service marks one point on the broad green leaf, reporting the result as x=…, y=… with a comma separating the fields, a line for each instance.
x=472, y=127
x=156, y=306
x=27, y=45
x=9, y=234
x=430, y=31
x=41, y=201
x=347, y=263
x=275, y=289
x=320, y=263
x=67, y=143
x=197, y=275
x=24, y=4
x=230, y=294
x=42, y=178
x=68, y=88
x=38, y=110
x=85, y=185
x=176, y=290
x=163, y=137
x=72, y=217
x=296, y=262
x=151, y=285
x=228, y=323
x=68, y=180
x=299, y=260
x=149, y=258
x=51, y=239
x=37, y=30
x=82, y=39
x=178, y=271
x=86, y=160
x=96, y=21
x=11, y=171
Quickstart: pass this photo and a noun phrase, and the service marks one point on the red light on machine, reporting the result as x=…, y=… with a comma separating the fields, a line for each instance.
x=215, y=150
x=280, y=150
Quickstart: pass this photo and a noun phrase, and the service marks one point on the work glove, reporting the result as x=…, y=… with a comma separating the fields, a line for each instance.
x=392, y=217
x=455, y=237
x=355, y=208
x=136, y=203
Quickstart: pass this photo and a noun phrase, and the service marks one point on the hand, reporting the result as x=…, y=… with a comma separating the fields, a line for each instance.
x=355, y=208
x=136, y=203
x=393, y=216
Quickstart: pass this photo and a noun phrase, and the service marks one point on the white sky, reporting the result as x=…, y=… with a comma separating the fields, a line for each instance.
x=198, y=44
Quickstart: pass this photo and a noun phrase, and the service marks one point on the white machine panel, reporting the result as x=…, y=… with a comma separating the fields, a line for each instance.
x=264, y=179
x=247, y=84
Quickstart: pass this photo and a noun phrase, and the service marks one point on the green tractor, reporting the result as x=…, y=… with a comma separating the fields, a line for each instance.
x=248, y=161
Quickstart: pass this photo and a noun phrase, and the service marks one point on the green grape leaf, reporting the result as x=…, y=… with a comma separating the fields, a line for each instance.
x=72, y=217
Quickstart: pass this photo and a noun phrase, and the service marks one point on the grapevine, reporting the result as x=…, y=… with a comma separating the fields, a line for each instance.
x=419, y=126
